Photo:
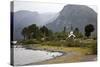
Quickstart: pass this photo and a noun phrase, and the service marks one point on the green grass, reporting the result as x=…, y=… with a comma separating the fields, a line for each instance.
x=89, y=44
x=32, y=41
x=77, y=43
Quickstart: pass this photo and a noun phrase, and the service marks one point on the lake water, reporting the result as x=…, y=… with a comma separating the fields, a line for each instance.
x=24, y=56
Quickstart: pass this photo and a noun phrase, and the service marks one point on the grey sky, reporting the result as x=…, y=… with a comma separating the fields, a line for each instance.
x=43, y=7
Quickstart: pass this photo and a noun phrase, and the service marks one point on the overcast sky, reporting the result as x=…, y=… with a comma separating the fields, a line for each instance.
x=48, y=7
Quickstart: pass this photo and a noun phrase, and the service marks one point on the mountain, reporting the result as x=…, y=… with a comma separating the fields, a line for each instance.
x=25, y=18
x=76, y=15
x=21, y=20
x=48, y=17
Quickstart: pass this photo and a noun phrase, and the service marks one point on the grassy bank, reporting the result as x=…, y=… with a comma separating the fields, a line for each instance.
x=62, y=45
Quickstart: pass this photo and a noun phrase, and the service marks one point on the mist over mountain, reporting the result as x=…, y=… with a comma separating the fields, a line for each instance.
x=25, y=18
x=48, y=17
x=76, y=15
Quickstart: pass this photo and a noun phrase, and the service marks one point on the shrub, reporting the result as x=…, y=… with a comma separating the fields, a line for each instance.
x=68, y=43
x=30, y=42
x=72, y=43
x=92, y=46
x=52, y=43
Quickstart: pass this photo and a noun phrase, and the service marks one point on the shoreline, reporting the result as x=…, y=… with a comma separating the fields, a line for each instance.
x=68, y=56
x=71, y=55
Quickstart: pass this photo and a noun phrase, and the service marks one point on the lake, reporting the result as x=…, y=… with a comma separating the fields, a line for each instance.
x=24, y=56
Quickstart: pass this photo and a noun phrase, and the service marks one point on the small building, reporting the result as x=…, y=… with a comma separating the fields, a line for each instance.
x=71, y=34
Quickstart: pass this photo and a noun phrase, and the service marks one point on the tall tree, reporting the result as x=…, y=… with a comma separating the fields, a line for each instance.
x=44, y=30
x=88, y=29
x=76, y=30
x=24, y=33
x=33, y=30
x=77, y=33
x=64, y=29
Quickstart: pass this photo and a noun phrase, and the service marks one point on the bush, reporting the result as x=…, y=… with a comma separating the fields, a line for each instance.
x=52, y=43
x=94, y=49
x=72, y=43
x=65, y=43
x=92, y=46
x=30, y=42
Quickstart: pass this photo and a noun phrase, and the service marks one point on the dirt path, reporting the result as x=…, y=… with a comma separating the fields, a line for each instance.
x=89, y=58
x=68, y=57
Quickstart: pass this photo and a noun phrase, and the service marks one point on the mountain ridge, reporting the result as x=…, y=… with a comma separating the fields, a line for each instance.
x=75, y=15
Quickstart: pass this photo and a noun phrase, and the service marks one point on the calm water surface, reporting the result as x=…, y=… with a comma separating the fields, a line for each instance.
x=26, y=56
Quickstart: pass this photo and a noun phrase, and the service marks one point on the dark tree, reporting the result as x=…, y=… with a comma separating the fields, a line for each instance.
x=77, y=33
x=88, y=29
x=44, y=30
x=76, y=30
x=33, y=30
x=64, y=29
x=24, y=32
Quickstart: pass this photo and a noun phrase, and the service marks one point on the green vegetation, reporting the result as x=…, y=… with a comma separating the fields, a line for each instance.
x=34, y=32
x=64, y=43
x=32, y=41
x=30, y=32
x=88, y=29
x=78, y=33
x=45, y=37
